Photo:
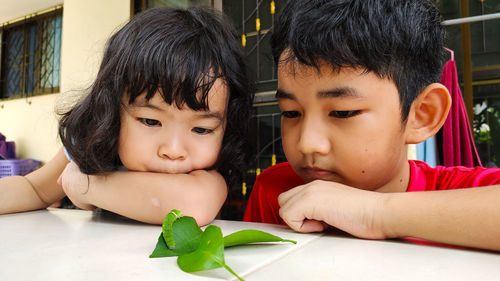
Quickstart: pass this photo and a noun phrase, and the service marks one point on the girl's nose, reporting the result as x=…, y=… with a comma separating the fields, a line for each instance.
x=313, y=138
x=172, y=149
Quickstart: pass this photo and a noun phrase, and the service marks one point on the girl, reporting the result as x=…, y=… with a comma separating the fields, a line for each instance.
x=164, y=125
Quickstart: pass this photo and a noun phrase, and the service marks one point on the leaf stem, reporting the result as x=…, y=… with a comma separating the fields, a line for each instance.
x=232, y=272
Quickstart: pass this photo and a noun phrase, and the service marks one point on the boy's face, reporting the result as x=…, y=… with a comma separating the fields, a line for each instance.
x=342, y=126
x=158, y=137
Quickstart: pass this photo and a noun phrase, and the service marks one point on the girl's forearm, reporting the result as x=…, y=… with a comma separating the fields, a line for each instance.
x=468, y=217
x=148, y=197
x=17, y=195
x=36, y=190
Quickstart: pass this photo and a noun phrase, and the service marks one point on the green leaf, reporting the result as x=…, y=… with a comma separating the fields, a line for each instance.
x=209, y=255
x=161, y=249
x=199, y=250
x=251, y=236
x=187, y=235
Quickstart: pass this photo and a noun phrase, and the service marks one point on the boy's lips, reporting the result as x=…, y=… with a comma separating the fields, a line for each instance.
x=313, y=173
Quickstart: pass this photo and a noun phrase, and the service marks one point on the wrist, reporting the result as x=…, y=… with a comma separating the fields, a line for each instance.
x=386, y=215
x=91, y=184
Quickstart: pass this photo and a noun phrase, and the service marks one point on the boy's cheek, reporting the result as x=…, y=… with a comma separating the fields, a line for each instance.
x=289, y=142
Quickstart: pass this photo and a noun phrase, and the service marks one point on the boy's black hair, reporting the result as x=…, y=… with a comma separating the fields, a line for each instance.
x=179, y=53
x=397, y=39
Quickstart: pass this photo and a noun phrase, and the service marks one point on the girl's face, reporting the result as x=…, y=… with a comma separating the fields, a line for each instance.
x=158, y=137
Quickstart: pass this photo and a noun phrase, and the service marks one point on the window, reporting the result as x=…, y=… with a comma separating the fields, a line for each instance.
x=31, y=56
x=484, y=44
x=254, y=21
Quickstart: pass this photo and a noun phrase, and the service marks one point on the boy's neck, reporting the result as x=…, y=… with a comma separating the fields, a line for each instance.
x=400, y=182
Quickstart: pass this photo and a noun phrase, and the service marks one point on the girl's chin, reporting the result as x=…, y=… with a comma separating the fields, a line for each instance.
x=157, y=170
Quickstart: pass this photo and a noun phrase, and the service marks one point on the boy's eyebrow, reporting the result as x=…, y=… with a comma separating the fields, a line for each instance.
x=280, y=94
x=339, y=92
x=333, y=93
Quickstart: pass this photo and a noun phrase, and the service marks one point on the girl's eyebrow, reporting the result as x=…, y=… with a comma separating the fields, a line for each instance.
x=202, y=115
x=146, y=104
x=209, y=115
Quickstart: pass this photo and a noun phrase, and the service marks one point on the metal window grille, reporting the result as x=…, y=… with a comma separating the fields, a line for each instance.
x=31, y=56
x=141, y=5
x=254, y=21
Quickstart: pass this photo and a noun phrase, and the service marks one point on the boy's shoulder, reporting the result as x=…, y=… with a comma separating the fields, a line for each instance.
x=277, y=169
x=424, y=177
x=280, y=173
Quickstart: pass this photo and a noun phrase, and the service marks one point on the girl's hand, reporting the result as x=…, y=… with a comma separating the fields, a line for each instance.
x=313, y=206
x=76, y=186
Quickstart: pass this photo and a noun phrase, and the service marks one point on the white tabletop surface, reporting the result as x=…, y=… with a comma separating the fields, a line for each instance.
x=59, y=244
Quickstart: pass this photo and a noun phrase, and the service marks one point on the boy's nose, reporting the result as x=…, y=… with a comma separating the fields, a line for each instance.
x=313, y=139
x=172, y=149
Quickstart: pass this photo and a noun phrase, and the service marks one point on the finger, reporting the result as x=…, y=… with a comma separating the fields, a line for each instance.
x=88, y=207
x=60, y=179
x=312, y=226
x=84, y=206
x=292, y=212
x=285, y=197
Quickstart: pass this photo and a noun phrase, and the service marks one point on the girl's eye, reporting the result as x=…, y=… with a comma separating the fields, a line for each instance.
x=201, y=131
x=290, y=114
x=344, y=114
x=150, y=122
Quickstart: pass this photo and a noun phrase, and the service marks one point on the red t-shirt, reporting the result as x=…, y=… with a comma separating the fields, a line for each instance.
x=263, y=202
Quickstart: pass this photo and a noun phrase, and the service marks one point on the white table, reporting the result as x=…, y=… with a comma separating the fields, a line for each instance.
x=57, y=244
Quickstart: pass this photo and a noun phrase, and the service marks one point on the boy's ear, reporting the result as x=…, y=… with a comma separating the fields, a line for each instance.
x=428, y=113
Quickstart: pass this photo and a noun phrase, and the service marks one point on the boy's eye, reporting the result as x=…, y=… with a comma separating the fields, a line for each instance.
x=344, y=114
x=150, y=122
x=290, y=114
x=201, y=131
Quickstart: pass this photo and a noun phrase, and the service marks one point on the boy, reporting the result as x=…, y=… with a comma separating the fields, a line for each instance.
x=356, y=85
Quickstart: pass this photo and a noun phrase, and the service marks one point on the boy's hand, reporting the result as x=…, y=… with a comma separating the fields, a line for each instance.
x=76, y=185
x=307, y=207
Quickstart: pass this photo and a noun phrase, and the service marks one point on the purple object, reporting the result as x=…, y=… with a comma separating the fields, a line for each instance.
x=17, y=167
x=7, y=148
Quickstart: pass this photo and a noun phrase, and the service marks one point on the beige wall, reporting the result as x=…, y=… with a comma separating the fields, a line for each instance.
x=32, y=122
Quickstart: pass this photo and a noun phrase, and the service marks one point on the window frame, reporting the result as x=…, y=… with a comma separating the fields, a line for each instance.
x=23, y=24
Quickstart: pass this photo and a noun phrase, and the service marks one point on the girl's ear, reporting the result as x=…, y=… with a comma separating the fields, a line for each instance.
x=428, y=113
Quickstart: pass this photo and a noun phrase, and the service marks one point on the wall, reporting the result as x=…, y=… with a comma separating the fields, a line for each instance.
x=32, y=122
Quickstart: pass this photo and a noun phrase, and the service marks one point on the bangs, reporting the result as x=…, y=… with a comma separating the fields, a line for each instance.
x=178, y=61
x=341, y=41
x=183, y=76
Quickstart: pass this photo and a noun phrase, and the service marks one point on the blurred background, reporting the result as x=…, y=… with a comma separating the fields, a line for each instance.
x=51, y=49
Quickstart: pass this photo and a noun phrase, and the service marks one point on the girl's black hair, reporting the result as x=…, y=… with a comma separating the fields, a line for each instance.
x=397, y=39
x=178, y=53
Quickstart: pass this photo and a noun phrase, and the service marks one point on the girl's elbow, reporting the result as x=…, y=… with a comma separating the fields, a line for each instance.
x=205, y=209
x=205, y=212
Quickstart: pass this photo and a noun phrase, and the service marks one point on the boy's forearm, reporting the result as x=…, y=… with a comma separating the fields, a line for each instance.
x=468, y=217
x=148, y=197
